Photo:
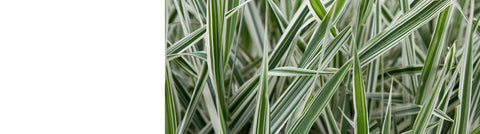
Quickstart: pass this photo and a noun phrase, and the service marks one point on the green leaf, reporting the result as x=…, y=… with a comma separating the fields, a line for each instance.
x=429, y=71
x=476, y=130
x=235, y=9
x=320, y=100
x=365, y=9
x=187, y=41
x=278, y=14
x=412, y=20
x=388, y=119
x=199, y=86
x=185, y=20
x=254, y=25
x=261, y=123
x=332, y=124
x=409, y=109
x=170, y=105
x=288, y=37
x=466, y=75
x=215, y=118
x=199, y=54
x=293, y=71
x=216, y=11
x=360, y=106
x=456, y=126
x=314, y=44
x=429, y=75
x=318, y=8
x=429, y=126
x=223, y=75
x=289, y=100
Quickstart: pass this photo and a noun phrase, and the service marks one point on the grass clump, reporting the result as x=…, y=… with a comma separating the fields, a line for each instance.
x=322, y=66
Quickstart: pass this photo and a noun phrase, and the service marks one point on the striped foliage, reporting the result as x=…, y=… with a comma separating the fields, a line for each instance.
x=322, y=66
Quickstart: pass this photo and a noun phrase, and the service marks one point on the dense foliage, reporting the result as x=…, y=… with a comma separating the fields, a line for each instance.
x=322, y=66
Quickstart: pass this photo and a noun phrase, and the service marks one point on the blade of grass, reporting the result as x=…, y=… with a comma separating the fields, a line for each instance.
x=318, y=8
x=332, y=124
x=388, y=120
x=446, y=88
x=199, y=54
x=170, y=105
x=293, y=71
x=261, y=123
x=429, y=71
x=187, y=41
x=412, y=20
x=365, y=10
x=314, y=43
x=194, y=100
x=476, y=130
x=234, y=10
x=254, y=25
x=278, y=14
x=408, y=49
x=320, y=100
x=288, y=37
x=425, y=113
x=429, y=126
x=409, y=109
x=215, y=117
x=184, y=17
x=215, y=25
x=456, y=126
x=466, y=76
x=290, y=98
x=360, y=106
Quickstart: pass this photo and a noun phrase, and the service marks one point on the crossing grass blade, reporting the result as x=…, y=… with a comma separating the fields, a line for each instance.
x=254, y=25
x=289, y=99
x=199, y=87
x=429, y=71
x=408, y=49
x=318, y=8
x=234, y=10
x=288, y=37
x=314, y=44
x=293, y=71
x=412, y=20
x=332, y=124
x=429, y=74
x=278, y=14
x=476, y=130
x=429, y=126
x=365, y=10
x=185, y=20
x=187, y=41
x=199, y=54
x=320, y=100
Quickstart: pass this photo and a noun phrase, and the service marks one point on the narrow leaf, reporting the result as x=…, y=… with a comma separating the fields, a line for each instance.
x=293, y=71
x=319, y=101
x=360, y=106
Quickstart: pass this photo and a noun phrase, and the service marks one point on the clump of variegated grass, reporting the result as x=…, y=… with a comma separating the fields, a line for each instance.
x=322, y=66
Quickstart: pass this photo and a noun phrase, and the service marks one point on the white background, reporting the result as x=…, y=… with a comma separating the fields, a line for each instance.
x=82, y=66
